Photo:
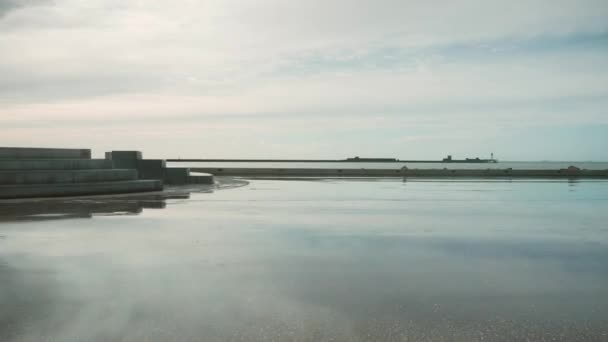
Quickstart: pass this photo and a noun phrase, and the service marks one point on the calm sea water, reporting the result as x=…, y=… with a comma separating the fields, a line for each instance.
x=323, y=260
x=499, y=165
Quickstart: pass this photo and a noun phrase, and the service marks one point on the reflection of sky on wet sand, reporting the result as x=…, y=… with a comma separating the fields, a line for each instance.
x=316, y=260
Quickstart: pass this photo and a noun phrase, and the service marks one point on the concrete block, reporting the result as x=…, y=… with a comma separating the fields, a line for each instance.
x=65, y=176
x=176, y=175
x=201, y=178
x=124, y=159
x=54, y=164
x=43, y=153
x=78, y=189
x=125, y=154
x=151, y=168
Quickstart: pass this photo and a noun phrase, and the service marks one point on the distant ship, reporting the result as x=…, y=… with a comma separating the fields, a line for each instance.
x=449, y=159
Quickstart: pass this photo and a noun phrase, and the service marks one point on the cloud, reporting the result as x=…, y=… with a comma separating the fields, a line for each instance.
x=7, y=6
x=396, y=62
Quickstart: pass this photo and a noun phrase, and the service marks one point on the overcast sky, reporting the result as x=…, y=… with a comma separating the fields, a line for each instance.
x=527, y=80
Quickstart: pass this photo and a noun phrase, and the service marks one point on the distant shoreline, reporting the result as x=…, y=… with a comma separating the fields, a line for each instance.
x=566, y=173
x=350, y=160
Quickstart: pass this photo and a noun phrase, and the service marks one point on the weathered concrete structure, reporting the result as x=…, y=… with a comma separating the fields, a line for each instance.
x=43, y=153
x=47, y=172
x=54, y=164
x=411, y=173
x=42, y=172
x=156, y=169
x=78, y=189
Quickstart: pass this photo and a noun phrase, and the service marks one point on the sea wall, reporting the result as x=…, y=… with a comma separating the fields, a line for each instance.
x=49, y=172
x=156, y=169
x=431, y=173
x=43, y=153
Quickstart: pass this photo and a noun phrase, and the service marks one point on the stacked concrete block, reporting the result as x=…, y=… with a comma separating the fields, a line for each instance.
x=157, y=169
x=54, y=164
x=46, y=172
x=200, y=178
x=65, y=176
x=152, y=169
x=20, y=153
x=176, y=175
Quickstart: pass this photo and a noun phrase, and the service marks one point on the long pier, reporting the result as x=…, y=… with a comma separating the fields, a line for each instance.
x=568, y=173
x=349, y=160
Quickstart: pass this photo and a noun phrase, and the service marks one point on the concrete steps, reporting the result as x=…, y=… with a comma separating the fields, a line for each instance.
x=55, y=164
x=65, y=176
x=49, y=172
x=200, y=178
x=43, y=153
x=78, y=189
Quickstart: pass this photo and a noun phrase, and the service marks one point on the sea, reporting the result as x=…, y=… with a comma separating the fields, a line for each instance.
x=311, y=260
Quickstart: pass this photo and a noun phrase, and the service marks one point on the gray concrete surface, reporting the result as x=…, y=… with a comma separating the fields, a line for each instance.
x=43, y=153
x=124, y=155
x=65, y=176
x=124, y=159
x=151, y=168
x=77, y=189
x=55, y=164
x=156, y=168
x=201, y=178
x=440, y=173
x=50, y=172
x=176, y=175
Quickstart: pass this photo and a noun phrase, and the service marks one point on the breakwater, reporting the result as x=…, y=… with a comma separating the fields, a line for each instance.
x=49, y=172
x=348, y=160
x=405, y=172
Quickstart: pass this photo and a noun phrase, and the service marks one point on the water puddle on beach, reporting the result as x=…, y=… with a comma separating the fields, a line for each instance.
x=312, y=260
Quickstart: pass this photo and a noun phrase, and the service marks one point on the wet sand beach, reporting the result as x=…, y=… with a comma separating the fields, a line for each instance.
x=312, y=260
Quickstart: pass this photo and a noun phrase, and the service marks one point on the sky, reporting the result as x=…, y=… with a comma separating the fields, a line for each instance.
x=524, y=79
